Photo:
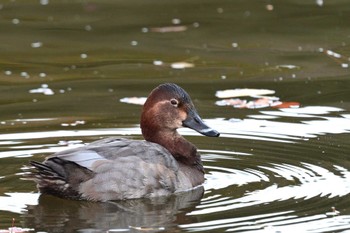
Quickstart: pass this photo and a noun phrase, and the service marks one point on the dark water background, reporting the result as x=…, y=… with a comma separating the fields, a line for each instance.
x=272, y=169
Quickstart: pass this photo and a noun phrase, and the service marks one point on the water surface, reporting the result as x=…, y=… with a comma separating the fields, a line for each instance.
x=65, y=65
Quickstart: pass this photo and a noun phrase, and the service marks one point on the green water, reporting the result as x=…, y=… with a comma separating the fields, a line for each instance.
x=272, y=169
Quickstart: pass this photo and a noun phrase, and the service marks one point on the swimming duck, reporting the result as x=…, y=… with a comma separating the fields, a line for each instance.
x=117, y=169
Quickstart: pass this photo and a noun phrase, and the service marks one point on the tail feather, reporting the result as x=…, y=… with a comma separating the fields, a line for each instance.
x=59, y=177
x=45, y=171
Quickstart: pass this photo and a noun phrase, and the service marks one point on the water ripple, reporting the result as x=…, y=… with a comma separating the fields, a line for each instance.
x=279, y=168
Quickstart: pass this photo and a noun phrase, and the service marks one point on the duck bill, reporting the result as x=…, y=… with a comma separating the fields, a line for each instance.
x=193, y=121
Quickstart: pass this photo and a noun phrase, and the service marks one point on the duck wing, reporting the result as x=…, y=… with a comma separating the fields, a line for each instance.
x=115, y=148
x=109, y=169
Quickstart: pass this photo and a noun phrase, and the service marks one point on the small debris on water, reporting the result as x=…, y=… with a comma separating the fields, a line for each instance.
x=134, y=43
x=15, y=21
x=176, y=21
x=83, y=56
x=134, y=100
x=243, y=92
x=181, y=65
x=8, y=72
x=257, y=99
x=44, y=89
x=37, y=44
x=334, y=212
x=44, y=2
x=73, y=123
x=167, y=29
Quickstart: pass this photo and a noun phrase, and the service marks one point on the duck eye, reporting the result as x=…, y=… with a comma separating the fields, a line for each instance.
x=174, y=102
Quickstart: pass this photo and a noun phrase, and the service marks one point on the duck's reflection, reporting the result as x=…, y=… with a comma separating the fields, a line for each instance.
x=59, y=215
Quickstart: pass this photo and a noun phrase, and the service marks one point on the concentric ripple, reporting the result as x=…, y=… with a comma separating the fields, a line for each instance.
x=264, y=174
x=296, y=181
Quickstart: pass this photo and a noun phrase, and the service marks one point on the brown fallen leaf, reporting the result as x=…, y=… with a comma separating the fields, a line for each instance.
x=287, y=105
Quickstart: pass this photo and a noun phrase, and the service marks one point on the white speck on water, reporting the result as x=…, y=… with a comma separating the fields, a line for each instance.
x=181, y=65
x=294, y=76
x=321, y=50
x=287, y=67
x=88, y=28
x=83, y=56
x=35, y=100
x=269, y=7
x=62, y=91
x=44, y=89
x=44, y=2
x=345, y=65
x=73, y=123
x=134, y=43
x=196, y=24
x=8, y=72
x=234, y=45
x=319, y=2
x=176, y=21
x=144, y=30
x=333, y=54
x=223, y=77
x=157, y=63
x=220, y=10
x=36, y=44
x=15, y=21
x=25, y=74
x=42, y=75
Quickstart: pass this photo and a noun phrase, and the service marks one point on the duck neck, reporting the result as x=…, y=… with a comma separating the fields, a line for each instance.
x=182, y=150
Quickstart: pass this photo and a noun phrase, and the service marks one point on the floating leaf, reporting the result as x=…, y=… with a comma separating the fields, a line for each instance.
x=134, y=100
x=257, y=103
x=287, y=105
x=243, y=92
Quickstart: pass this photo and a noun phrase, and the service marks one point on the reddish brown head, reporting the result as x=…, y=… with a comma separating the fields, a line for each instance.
x=168, y=108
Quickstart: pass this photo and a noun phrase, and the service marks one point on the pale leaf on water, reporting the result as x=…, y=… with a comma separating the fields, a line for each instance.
x=243, y=92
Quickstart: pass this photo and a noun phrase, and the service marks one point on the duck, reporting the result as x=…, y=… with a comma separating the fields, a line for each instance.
x=115, y=168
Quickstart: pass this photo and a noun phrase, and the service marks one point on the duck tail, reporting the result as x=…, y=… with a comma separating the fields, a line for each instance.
x=59, y=177
x=44, y=171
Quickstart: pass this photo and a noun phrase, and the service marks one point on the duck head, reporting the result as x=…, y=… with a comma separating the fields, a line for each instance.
x=168, y=108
